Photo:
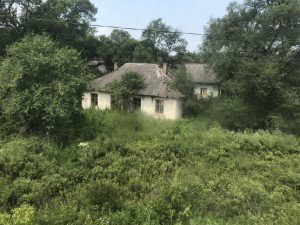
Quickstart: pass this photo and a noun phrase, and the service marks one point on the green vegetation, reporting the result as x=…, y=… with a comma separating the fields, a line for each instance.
x=123, y=90
x=155, y=46
x=41, y=87
x=131, y=169
x=66, y=21
x=255, y=52
x=162, y=44
x=59, y=165
x=119, y=47
x=183, y=82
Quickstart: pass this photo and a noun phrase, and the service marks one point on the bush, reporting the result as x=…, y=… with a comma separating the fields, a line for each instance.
x=41, y=87
x=137, y=170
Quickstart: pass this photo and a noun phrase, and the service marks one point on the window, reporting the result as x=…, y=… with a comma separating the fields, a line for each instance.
x=159, y=106
x=219, y=92
x=137, y=103
x=94, y=99
x=203, y=91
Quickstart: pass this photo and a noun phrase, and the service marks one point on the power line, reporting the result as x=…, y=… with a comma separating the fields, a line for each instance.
x=141, y=29
x=110, y=26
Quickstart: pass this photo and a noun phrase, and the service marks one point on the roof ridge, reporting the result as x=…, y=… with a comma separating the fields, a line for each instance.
x=140, y=64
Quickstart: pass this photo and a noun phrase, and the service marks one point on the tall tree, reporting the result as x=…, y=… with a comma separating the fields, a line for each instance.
x=41, y=86
x=66, y=21
x=182, y=81
x=164, y=40
x=143, y=53
x=9, y=24
x=118, y=47
x=255, y=51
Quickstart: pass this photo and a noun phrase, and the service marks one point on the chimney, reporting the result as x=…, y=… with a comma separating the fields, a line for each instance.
x=165, y=68
x=115, y=66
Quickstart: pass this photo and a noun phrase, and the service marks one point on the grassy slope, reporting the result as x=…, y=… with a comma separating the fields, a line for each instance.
x=132, y=169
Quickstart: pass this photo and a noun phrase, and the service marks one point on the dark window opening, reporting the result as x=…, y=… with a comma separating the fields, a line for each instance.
x=159, y=106
x=137, y=103
x=94, y=99
x=219, y=92
x=203, y=92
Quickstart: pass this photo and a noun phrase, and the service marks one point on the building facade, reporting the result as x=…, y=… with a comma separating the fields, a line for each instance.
x=156, y=98
x=205, y=80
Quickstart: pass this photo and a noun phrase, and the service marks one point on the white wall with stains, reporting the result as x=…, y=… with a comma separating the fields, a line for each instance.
x=104, y=100
x=212, y=90
x=172, y=108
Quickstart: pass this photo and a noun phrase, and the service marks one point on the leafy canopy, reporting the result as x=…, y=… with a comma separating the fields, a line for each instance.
x=118, y=47
x=66, y=21
x=255, y=51
x=163, y=40
x=183, y=82
x=41, y=85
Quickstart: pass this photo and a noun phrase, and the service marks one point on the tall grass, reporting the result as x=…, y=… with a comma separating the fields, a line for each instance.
x=127, y=168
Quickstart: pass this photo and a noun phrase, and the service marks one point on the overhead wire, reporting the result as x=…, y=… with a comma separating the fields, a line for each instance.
x=111, y=26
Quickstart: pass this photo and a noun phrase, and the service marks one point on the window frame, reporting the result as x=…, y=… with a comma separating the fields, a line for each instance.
x=159, y=106
x=94, y=99
x=202, y=92
x=220, y=91
x=139, y=105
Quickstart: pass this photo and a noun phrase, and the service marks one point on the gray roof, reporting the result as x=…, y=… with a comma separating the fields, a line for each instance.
x=201, y=73
x=156, y=82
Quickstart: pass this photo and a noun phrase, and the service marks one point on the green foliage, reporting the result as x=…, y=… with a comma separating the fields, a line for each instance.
x=40, y=86
x=194, y=107
x=24, y=215
x=124, y=90
x=143, y=54
x=8, y=21
x=183, y=82
x=235, y=114
x=66, y=21
x=134, y=169
x=155, y=46
x=255, y=51
x=118, y=47
x=163, y=44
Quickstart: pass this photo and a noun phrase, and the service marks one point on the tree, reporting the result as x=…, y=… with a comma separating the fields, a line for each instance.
x=183, y=82
x=118, y=47
x=124, y=89
x=41, y=86
x=66, y=21
x=255, y=51
x=8, y=24
x=164, y=40
x=24, y=215
x=143, y=53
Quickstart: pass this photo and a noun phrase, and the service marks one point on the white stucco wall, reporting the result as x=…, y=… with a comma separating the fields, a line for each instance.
x=172, y=107
x=212, y=90
x=104, y=100
x=86, y=100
